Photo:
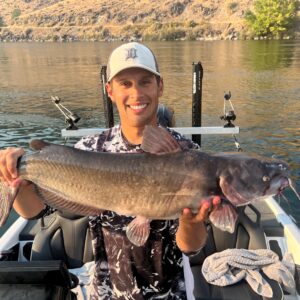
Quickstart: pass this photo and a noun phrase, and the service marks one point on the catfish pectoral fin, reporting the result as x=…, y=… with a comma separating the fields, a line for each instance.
x=7, y=197
x=224, y=217
x=138, y=231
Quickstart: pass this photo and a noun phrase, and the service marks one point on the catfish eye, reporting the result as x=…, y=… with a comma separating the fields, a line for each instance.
x=281, y=167
x=266, y=178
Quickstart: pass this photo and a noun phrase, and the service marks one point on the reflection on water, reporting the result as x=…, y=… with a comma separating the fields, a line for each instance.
x=270, y=55
x=263, y=77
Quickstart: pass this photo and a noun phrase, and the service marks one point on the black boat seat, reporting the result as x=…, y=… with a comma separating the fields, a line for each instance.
x=66, y=238
x=248, y=235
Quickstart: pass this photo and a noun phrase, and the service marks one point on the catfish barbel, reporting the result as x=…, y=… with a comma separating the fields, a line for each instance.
x=156, y=184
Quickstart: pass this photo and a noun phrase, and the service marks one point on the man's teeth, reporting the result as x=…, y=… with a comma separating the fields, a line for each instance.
x=140, y=106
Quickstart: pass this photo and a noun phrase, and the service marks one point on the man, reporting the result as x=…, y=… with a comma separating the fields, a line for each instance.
x=123, y=270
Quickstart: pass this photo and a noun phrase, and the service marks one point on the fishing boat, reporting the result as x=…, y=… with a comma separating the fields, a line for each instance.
x=39, y=257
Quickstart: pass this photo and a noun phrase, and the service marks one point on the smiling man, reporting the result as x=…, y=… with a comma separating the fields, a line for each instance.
x=154, y=270
x=124, y=270
x=134, y=85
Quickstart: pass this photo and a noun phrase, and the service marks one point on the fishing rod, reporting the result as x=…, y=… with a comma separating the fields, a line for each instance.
x=228, y=115
x=197, y=100
x=107, y=103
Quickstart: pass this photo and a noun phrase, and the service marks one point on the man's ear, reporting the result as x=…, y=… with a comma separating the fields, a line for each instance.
x=161, y=87
x=108, y=87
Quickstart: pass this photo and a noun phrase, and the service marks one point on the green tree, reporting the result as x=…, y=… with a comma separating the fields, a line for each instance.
x=272, y=18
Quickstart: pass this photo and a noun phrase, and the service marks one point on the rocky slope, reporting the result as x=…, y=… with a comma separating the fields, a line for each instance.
x=67, y=20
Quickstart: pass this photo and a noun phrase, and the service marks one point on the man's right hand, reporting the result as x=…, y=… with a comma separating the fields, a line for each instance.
x=27, y=203
x=8, y=165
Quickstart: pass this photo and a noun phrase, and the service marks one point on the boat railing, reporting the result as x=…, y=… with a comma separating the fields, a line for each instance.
x=182, y=130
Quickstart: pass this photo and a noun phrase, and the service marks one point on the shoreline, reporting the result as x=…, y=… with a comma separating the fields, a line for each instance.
x=200, y=39
x=111, y=34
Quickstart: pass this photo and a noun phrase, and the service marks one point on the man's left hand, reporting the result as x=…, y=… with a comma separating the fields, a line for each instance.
x=206, y=207
x=191, y=234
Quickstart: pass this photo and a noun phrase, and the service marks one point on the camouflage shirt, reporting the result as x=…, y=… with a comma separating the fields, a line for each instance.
x=124, y=271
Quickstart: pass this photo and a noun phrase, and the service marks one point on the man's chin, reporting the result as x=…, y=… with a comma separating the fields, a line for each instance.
x=141, y=122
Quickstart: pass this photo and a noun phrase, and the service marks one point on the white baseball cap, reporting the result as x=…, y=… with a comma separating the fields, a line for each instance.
x=131, y=55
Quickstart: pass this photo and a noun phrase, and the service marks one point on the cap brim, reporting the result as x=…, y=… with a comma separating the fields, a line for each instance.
x=133, y=66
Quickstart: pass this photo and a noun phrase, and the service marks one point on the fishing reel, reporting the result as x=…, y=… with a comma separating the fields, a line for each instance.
x=70, y=117
x=229, y=116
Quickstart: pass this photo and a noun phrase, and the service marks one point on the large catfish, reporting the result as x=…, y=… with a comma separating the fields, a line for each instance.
x=156, y=184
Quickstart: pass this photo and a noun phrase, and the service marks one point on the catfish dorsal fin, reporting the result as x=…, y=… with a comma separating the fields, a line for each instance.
x=38, y=144
x=158, y=140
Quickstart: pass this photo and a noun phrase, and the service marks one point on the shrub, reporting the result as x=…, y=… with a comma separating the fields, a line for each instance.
x=171, y=34
x=28, y=32
x=54, y=38
x=272, y=18
x=233, y=6
x=1, y=22
x=16, y=13
x=192, y=24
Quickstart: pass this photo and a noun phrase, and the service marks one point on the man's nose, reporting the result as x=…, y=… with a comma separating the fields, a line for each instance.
x=136, y=91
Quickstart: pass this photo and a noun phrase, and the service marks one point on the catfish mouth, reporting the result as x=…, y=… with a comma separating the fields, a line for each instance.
x=240, y=198
x=282, y=183
x=277, y=185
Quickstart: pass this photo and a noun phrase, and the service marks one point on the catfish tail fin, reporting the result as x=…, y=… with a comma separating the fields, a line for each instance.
x=7, y=197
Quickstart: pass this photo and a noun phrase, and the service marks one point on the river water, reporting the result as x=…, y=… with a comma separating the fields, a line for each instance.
x=263, y=77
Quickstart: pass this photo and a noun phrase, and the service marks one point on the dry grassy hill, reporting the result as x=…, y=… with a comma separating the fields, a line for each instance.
x=118, y=19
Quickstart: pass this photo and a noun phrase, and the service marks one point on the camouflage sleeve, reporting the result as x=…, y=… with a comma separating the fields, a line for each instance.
x=87, y=143
x=93, y=142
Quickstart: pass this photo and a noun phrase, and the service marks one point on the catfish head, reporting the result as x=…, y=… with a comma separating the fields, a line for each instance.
x=246, y=178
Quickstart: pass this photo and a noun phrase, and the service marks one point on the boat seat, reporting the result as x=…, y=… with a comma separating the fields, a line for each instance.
x=66, y=238
x=248, y=235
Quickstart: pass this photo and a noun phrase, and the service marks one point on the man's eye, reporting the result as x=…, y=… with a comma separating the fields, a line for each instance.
x=146, y=81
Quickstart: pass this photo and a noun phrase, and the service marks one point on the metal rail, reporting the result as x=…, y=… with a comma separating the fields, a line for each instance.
x=182, y=130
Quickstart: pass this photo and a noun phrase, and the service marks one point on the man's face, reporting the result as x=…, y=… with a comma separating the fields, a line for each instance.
x=135, y=92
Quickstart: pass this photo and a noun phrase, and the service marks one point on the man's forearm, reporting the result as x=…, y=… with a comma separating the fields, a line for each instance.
x=27, y=203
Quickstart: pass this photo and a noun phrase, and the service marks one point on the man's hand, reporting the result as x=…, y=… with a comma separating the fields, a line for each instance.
x=27, y=203
x=191, y=234
x=205, y=208
x=8, y=165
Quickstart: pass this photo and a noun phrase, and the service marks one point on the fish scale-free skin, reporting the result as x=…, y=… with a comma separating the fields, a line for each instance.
x=132, y=184
x=154, y=185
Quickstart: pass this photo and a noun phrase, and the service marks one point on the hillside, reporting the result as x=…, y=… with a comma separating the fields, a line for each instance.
x=68, y=20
